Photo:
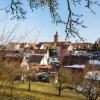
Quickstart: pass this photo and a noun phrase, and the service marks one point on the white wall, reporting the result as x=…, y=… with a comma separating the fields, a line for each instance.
x=44, y=61
x=24, y=64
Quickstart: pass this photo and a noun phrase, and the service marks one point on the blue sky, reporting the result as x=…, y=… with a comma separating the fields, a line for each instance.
x=38, y=25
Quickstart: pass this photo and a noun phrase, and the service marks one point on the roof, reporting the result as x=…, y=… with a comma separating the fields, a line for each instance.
x=40, y=51
x=39, y=45
x=35, y=59
x=32, y=44
x=58, y=43
x=72, y=59
x=22, y=44
x=76, y=66
x=41, y=67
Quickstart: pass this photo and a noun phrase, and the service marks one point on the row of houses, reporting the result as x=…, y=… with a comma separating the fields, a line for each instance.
x=61, y=46
x=40, y=59
x=27, y=59
x=46, y=56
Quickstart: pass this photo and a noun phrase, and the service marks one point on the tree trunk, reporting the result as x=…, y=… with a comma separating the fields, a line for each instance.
x=59, y=92
x=59, y=89
x=11, y=88
x=29, y=85
x=93, y=97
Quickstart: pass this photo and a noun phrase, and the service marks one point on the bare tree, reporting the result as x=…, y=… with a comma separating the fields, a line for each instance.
x=63, y=79
x=91, y=85
x=8, y=71
x=7, y=36
x=96, y=45
x=15, y=7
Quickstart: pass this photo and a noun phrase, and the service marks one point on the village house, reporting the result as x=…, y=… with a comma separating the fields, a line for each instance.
x=38, y=63
x=65, y=49
x=75, y=64
x=24, y=64
x=42, y=52
x=13, y=45
x=37, y=60
x=83, y=46
x=28, y=53
x=20, y=45
x=71, y=60
x=60, y=48
x=41, y=46
x=33, y=63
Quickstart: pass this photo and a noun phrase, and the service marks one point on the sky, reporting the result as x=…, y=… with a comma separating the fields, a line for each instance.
x=38, y=25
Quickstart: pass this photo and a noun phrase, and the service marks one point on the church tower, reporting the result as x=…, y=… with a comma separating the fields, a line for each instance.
x=56, y=37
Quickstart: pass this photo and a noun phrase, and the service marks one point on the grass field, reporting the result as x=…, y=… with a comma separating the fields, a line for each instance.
x=40, y=91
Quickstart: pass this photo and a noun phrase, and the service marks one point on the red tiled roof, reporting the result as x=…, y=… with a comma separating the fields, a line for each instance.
x=41, y=67
x=58, y=43
x=32, y=44
x=24, y=43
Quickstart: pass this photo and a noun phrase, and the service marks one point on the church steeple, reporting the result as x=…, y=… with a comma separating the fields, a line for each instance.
x=56, y=37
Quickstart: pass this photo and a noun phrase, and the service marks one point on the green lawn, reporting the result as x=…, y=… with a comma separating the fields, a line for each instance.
x=41, y=91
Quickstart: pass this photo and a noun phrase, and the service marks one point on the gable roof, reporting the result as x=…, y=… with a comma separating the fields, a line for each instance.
x=59, y=43
x=40, y=51
x=39, y=45
x=70, y=60
x=76, y=66
x=35, y=59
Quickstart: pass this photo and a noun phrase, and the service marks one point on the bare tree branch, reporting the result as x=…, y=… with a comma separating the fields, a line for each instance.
x=73, y=20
